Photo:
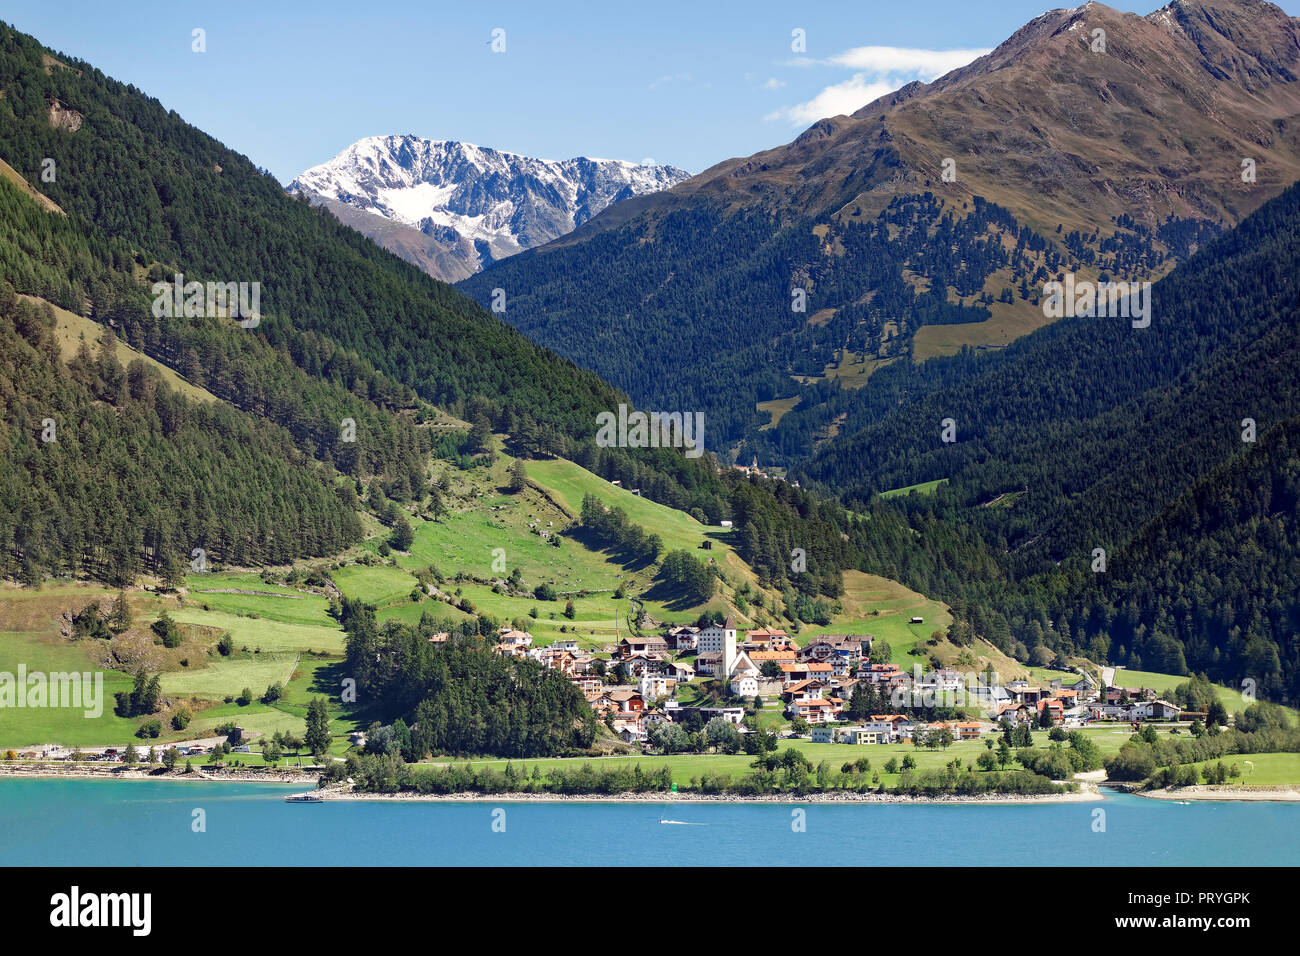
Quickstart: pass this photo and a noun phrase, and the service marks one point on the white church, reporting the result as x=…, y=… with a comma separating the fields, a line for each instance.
x=720, y=657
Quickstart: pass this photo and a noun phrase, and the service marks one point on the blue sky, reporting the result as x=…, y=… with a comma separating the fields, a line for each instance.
x=689, y=83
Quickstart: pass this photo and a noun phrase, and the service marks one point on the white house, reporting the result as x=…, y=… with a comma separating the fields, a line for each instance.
x=734, y=714
x=714, y=638
x=653, y=686
x=745, y=686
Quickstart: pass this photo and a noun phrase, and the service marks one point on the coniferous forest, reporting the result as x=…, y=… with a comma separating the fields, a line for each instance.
x=1169, y=450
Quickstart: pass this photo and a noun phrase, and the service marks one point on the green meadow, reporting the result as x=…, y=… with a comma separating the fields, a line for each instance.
x=1261, y=770
x=22, y=727
x=921, y=488
x=687, y=766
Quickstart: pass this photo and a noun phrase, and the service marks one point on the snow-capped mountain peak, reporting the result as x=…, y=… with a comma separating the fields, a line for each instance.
x=472, y=203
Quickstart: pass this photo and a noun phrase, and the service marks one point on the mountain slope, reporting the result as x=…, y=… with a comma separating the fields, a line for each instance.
x=453, y=208
x=1114, y=164
x=177, y=201
x=1092, y=434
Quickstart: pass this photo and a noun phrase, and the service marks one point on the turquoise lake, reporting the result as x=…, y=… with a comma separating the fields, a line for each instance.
x=109, y=822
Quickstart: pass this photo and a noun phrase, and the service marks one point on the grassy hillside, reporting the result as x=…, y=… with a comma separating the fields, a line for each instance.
x=72, y=329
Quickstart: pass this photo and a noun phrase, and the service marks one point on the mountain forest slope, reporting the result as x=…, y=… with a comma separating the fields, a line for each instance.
x=1064, y=159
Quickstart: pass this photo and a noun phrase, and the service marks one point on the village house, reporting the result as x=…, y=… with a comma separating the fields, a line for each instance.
x=1017, y=713
x=629, y=726
x=814, y=711
x=706, y=665
x=735, y=715
x=1054, y=707
x=901, y=727
x=638, y=664
x=804, y=690
x=744, y=686
x=989, y=696
x=559, y=660
x=1159, y=710
x=1085, y=687
x=656, y=687
x=853, y=648
x=682, y=638
x=856, y=735
x=510, y=649
x=619, y=700
x=510, y=636
x=884, y=729
x=679, y=671
x=1030, y=695
x=760, y=658
x=942, y=681
x=589, y=687
x=762, y=637
x=862, y=735
x=646, y=646
x=806, y=670
x=824, y=734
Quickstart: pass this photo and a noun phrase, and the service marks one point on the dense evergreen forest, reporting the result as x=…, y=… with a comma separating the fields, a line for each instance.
x=766, y=299
x=177, y=201
x=462, y=699
x=1091, y=435
x=106, y=471
x=348, y=335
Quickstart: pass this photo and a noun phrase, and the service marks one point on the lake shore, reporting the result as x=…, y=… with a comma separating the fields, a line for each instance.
x=1086, y=793
x=229, y=775
x=1081, y=796
x=1202, y=792
x=1088, y=790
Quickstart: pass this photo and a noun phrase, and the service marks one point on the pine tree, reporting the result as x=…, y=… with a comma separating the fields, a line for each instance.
x=318, y=737
x=120, y=618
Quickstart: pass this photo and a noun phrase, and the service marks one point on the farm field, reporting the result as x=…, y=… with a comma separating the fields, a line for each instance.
x=227, y=677
x=568, y=483
x=488, y=527
x=264, y=633
x=293, y=607
x=380, y=585
x=23, y=727
x=1261, y=770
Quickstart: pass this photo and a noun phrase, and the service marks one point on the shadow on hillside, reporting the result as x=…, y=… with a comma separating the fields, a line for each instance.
x=623, y=557
x=673, y=598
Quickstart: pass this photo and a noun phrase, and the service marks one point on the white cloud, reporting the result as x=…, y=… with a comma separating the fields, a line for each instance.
x=895, y=59
x=773, y=84
x=846, y=97
x=670, y=79
x=880, y=70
